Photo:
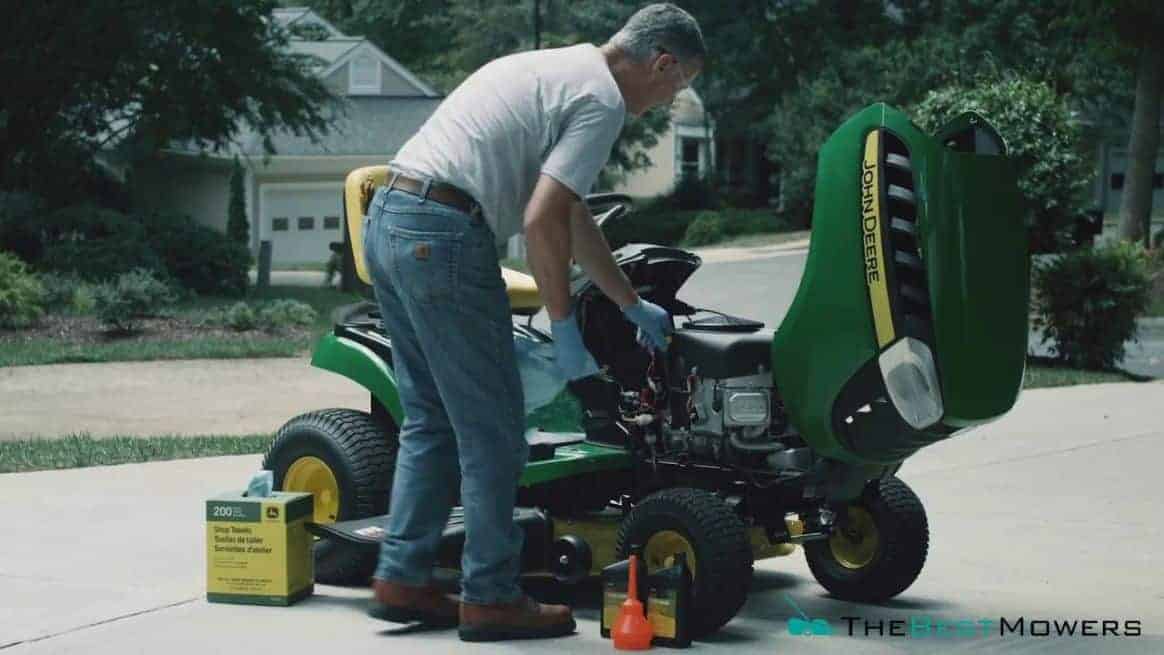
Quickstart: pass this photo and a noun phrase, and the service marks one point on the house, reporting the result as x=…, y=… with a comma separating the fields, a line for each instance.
x=293, y=196
x=686, y=147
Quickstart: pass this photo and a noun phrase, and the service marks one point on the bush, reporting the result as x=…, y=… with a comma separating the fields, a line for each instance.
x=1039, y=130
x=240, y=316
x=1088, y=302
x=200, y=258
x=134, y=295
x=21, y=294
x=96, y=244
x=282, y=314
x=67, y=292
x=274, y=316
x=707, y=228
x=101, y=260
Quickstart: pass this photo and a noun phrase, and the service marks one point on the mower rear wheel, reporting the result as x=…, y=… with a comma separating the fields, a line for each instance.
x=881, y=548
x=714, y=539
x=346, y=459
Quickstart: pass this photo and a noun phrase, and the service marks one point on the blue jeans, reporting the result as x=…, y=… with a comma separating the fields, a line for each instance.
x=436, y=277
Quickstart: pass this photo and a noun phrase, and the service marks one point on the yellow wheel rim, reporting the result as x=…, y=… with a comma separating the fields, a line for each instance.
x=314, y=475
x=855, y=546
x=662, y=547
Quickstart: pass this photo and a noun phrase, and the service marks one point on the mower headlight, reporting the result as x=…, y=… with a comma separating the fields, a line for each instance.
x=746, y=408
x=912, y=380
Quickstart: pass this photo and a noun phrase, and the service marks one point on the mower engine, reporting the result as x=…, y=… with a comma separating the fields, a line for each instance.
x=721, y=404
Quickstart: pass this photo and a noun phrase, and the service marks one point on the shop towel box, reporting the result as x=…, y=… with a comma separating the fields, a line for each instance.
x=258, y=550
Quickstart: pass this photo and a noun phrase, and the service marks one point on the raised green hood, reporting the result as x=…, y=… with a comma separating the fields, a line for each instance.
x=913, y=237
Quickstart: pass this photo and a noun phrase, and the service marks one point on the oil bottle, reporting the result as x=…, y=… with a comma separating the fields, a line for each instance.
x=614, y=585
x=669, y=604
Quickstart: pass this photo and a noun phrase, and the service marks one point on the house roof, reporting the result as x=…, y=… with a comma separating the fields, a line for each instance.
x=371, y=125
x=330, y=51
x=288, y=16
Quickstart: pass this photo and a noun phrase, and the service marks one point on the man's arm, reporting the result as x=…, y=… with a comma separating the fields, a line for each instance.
x=557, y=225
x=592, y=252
x=547, y=235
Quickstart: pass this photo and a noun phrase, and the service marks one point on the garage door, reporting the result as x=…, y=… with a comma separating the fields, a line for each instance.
x=301, y=220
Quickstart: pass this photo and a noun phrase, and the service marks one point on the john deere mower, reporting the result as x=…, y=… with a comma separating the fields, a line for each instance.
x=741, y=442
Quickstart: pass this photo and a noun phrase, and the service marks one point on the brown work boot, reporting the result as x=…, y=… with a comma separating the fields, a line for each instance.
x=401, y=603
x=524, y=618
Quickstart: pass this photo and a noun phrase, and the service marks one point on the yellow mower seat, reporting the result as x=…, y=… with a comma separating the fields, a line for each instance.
x=359, y=188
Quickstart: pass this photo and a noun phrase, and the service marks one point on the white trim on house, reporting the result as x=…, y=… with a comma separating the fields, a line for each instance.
x=384, y=59
x=374, y=85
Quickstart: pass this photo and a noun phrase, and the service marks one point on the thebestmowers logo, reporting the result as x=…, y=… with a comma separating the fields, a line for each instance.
x=930, y=627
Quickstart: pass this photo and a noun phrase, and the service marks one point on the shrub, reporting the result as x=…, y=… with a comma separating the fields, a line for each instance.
x=200, y=258
x=134, y=295
x=21, y=294
x=705, y=229
x=1088, y=302
x=240, y=316
x=282, y=314
x=101, y=260
x=67, y=292
x=1040, y=130
x=96, y=244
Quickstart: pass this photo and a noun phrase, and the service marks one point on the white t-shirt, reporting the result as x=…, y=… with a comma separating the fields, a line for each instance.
x=554, y=111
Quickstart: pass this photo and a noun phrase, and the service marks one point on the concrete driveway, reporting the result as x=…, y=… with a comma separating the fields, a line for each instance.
x=1050, y=514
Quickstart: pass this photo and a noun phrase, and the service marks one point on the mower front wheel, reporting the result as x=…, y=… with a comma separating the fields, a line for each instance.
x=878, y=550
x=346, y=459
x=714, y=540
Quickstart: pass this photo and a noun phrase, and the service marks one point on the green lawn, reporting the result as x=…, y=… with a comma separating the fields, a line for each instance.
x=1040, y=376
x=188, y=343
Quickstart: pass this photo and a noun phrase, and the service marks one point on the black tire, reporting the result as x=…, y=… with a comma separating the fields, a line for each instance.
x=898, y=555
x=719, y=540
x=361, y=453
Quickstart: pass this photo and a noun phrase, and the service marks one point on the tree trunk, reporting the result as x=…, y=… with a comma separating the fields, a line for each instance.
x=1136, y=206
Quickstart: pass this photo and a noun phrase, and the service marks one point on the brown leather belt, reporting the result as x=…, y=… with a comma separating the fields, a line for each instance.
x=445, y=194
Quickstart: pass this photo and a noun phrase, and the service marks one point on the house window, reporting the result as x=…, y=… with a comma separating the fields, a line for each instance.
x=306, y=222
x=1158, y=181
x=364, y=74
x=690, y=157
x=331, y=222
x=279, y=224
x=1117, y=181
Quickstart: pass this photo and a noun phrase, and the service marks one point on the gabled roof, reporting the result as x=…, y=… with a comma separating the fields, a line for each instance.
x=288, y=16
x=391, y=63
x=339, y=48
x=330, y=51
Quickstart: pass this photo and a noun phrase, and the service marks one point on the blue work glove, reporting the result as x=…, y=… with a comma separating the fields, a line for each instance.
x=653, y=321
x=570, y=354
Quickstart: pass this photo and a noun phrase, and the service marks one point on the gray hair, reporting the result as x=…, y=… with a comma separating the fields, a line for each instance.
x=661, y=26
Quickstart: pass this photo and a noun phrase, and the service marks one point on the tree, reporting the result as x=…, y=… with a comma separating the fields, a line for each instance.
x=474, y=32
x=834, y=57
x=80, y=78
x=1040, y=131
x=1135, y=41
x=237, y=227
